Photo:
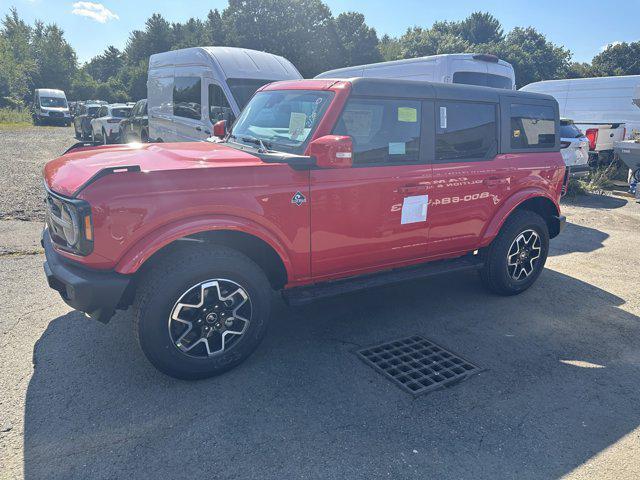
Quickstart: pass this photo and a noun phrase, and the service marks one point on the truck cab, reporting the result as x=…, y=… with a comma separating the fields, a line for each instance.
x=321, y=187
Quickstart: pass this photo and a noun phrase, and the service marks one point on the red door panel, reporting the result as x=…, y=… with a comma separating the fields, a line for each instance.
x=356, y=218
x=463, y=199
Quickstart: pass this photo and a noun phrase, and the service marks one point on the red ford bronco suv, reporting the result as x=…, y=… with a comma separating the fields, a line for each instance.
x=321, y=187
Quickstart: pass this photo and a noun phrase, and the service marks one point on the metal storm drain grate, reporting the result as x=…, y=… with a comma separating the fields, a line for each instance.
x=417, y=365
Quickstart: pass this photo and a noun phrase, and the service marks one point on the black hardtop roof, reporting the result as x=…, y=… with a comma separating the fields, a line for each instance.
x=386, y=87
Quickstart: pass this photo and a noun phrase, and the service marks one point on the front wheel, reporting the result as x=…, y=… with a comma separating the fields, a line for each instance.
x=200, y=312
x=516, y=257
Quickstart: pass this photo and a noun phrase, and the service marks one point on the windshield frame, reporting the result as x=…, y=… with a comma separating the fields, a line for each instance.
x=259, y=143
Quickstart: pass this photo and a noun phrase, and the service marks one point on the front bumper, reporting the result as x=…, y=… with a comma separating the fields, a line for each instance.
x=96, y=293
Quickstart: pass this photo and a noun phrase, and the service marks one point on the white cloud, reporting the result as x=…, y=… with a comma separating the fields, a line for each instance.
x=612, y=44
x=95, y=11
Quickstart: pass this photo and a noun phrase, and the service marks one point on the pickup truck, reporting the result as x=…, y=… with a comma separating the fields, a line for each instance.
x=322, y=187
x=602, y=139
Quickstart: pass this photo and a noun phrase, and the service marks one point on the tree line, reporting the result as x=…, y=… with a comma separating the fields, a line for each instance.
x=304, y=31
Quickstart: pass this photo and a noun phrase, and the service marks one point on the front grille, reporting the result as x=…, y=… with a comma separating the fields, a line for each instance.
x=56, y=114
x=55, y=220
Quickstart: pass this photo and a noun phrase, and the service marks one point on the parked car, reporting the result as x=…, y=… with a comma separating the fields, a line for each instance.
x=575, y=148
x=135, y=128
x=191, y=89
x=50, y=106
x=463, y=68
x=82, y=121
x=602, y=107
x=322, y=187
x=105, y=127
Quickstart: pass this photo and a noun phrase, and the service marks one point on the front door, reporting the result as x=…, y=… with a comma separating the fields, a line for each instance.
x=469, y=178
x=374, y=214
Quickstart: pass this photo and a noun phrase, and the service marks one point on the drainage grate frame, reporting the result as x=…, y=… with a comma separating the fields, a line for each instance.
x=417, y=365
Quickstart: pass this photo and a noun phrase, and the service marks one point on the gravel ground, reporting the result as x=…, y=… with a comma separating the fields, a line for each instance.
x=558, y=396
x=23, y=153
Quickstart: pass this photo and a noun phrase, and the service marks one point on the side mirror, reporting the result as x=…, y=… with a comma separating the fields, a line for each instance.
x=220, y=129
x=332, y=151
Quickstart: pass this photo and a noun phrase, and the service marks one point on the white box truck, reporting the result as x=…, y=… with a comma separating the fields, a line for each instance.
x=602, y=107
x=191, y=89
x=465, y=68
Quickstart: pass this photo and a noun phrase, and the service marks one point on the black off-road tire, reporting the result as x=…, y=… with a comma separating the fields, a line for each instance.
x=495, y=273
x=164, y=284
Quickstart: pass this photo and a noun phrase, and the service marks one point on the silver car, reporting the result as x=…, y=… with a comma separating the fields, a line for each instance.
x=575, y=148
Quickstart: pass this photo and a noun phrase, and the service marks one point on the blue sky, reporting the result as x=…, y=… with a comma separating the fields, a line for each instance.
x=583, y=27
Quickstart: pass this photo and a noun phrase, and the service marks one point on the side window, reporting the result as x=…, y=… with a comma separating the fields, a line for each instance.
x=103, y=112
x=219, y=108
x=187, y=101
x=465, y=131
x=383, y=131
x=532, y=126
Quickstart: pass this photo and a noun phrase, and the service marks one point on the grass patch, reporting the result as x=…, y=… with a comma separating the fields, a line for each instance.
x=598, y=181
x=12, y=117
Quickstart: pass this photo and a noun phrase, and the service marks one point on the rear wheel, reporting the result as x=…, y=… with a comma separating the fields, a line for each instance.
x=199, y=313
x=516, y=257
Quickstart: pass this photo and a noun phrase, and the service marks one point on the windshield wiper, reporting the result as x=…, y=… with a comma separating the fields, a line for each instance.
x=256, y=141
x=263, y=146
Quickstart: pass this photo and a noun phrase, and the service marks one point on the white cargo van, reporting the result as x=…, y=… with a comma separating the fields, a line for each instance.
x=50, y=105
x=602, y=107
x=189, y=90
x=465, y=68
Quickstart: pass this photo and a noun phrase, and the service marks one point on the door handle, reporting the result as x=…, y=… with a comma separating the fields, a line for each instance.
x=411, y=189
x=495, y=181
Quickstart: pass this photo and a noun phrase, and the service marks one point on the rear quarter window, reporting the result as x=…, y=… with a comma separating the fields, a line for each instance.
x=532, y=126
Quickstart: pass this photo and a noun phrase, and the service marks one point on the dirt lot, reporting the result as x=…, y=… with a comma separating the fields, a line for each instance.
x=558, y=396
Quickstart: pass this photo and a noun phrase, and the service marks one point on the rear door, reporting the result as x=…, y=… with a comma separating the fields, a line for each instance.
x=374, y=215
x=470, y=179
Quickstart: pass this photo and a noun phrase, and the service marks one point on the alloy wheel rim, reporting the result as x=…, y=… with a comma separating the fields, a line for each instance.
x=524, y=255
x=210, y=318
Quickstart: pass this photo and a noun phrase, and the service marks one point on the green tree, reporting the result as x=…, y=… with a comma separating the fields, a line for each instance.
x=480, y=28
x=190, y=34
x=420, y=42
x=390, y=48
x=214, y=29
x=359, y=42
x=533, y=57
x=303, y=31
x=618, y=59
x=107, y=65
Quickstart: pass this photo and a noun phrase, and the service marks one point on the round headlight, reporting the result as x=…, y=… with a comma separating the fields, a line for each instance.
x=70, y=226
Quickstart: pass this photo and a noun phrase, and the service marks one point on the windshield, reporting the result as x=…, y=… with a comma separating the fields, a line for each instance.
x=92, y=110
x=120, y=112
x=243, y=89
x=281, y=119
x=53, y=102
x=569, y=130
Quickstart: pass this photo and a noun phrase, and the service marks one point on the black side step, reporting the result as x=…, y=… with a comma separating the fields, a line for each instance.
x=307, y=294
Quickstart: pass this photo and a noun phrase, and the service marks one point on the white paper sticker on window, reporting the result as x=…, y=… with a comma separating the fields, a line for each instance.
x=443, y=117
x=414, y=209
x=297, y=122
x=397, y=148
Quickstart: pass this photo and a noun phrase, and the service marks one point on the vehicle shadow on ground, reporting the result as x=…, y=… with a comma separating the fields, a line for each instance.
x=304, y=405
x=592, y=200
x=577, y=238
